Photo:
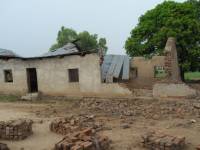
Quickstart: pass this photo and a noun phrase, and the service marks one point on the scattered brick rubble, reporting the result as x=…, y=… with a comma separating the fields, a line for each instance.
x=148, y=109
x=160, y=141
x=80, y=133
x=83, y=140
x=15, y=129
x=74, y=123
x=3, y=146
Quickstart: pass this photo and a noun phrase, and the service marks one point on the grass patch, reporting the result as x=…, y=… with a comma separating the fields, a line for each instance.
x=8, y=98
x=192, y=76
x=159, y=72
x=161, y=75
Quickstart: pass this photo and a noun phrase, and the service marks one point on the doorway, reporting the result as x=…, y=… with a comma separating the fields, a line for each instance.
x=32, y=80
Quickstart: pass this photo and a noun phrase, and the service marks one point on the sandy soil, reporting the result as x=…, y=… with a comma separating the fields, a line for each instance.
x=42, y=139
x=43, y=113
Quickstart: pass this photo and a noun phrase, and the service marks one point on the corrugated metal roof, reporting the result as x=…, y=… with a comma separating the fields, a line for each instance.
x=7, y=53
x=69, y=48
x=126, y=69
x=105, y=66
x=115, y=66
x=118, y=67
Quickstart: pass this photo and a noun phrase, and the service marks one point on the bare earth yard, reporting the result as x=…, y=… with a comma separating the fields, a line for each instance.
x=124, y=120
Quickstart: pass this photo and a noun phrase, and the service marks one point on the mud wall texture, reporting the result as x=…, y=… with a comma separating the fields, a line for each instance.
x=19, y=84
x=145, y=70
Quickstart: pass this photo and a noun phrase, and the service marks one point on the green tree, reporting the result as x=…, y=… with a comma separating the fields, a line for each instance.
x=180, y=20
x=86, y=41
x=65, y=35
x=102, y=44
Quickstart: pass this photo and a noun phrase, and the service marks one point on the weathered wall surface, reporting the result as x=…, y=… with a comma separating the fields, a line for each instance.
x=52, y=76
x=145, y=70
x=145, y=66
x=173, y=90
x=19, y=86
x=171, y=61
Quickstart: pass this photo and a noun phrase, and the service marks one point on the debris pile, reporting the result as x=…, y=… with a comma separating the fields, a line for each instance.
x=80, y=133
x=86, y=139
x=148, y=109
x=15, y=129
x=72, y=124
x=160, y=141
x=3, y=146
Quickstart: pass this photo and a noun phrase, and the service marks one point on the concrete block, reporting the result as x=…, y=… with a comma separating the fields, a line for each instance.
x=31, y=96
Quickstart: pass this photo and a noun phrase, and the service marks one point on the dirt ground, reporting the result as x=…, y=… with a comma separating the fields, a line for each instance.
x=124, y=128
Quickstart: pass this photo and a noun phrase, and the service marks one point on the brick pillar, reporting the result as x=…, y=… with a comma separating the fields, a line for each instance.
x=171, y=60
x=168, y=64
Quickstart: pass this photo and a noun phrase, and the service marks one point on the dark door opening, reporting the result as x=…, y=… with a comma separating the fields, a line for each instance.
x=32, y=80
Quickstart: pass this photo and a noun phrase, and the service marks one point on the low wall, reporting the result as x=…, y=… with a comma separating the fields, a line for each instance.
x=111, y=90
x=171, y=90
x=114, y=89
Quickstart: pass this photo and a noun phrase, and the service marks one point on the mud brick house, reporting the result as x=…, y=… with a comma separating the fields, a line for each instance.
x=64, y=72
x=69, y=71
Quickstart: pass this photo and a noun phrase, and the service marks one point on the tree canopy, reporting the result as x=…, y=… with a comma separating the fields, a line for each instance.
x=169, y=19
x=86, y=41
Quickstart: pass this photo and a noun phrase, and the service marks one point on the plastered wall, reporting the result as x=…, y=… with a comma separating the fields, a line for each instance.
x=145, y=70
x=52, y=76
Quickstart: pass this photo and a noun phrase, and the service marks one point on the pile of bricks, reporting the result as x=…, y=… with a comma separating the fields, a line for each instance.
x=84, y=140
x=130, y=108
x=15, y=129
x=160, y=141
x=3, y=146
x=71, y=124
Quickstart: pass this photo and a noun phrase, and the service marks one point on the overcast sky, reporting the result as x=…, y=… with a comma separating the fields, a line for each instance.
x=29, y=27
